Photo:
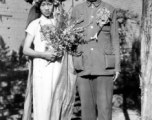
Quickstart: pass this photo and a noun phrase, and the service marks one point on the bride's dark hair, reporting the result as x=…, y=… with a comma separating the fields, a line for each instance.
x=38, y=4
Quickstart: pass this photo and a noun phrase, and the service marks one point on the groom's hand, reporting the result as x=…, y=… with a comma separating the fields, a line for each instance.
x=115, y=76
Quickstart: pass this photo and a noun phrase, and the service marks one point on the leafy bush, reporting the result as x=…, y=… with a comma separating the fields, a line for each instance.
x=12, y=81
x=128, y=84
x=10, y=59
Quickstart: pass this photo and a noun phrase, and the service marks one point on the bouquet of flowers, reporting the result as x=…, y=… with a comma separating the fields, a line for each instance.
x=62, y=36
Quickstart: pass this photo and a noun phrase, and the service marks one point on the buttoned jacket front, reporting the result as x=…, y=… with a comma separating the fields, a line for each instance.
x=93, y=57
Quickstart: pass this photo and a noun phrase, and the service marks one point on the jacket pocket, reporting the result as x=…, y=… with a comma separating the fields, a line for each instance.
x=109, y=60
x=78, y=63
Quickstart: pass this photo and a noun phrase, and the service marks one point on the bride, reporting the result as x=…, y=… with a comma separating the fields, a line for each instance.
x=51, y=85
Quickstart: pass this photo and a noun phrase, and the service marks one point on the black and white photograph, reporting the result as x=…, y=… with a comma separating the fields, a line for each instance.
x=75, y=59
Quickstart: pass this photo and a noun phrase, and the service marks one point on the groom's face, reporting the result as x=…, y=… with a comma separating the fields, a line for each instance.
x=92, y=0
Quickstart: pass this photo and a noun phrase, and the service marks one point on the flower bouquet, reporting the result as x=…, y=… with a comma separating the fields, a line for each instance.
x=62, y=36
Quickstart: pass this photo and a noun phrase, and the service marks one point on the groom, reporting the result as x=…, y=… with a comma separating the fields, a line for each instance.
x=99, y=65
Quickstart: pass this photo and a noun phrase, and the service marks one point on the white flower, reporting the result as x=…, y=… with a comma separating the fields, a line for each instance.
x=33, y=3
x=103, y=15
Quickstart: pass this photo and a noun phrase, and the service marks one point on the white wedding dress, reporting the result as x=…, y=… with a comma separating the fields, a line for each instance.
x=53, y=89
x=45, y=74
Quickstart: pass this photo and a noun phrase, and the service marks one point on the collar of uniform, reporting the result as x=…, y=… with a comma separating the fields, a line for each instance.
x=96, y=4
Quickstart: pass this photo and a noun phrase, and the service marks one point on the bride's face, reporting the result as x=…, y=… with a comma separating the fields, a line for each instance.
x=46, y=8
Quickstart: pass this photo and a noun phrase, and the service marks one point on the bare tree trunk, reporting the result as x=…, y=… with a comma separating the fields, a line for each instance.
x=146, y=60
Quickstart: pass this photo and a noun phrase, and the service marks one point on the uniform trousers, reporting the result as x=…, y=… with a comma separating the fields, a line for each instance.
x=96, y=97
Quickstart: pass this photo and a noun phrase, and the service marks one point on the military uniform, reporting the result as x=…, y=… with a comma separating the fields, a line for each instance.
x=95, y=80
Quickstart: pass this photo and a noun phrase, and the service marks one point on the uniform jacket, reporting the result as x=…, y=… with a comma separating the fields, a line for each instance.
x=92, y=61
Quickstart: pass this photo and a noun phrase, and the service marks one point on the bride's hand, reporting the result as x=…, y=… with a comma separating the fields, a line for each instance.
x=50, y=55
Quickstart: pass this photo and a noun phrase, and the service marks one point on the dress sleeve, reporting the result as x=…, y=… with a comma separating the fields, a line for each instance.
x=31, y=28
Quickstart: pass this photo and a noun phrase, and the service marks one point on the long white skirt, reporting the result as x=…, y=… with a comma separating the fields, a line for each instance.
x=52, y=91
x=44, y=81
